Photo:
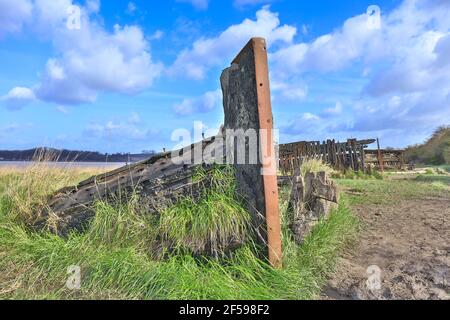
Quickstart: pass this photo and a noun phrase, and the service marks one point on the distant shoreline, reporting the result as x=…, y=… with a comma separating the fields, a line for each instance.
x=58, y=161
x=77, y=156
x=63, y=164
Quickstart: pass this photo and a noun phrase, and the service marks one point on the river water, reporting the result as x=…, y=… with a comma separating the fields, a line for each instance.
x=97, y=165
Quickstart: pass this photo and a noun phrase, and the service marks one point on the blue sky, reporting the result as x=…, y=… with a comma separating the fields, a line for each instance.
x=130, y=73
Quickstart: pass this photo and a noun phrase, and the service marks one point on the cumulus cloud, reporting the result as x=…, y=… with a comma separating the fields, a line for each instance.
x=407, y=88
x=289, y=90
x=14, y=14
x=442, y=51
x=329, y=52
x=18, y=97
x=120, y=130
x=90, y=60
x=204, y=103
x=333, y=111
x=306, y=123
x=93, y=6
x=206, y=53
x=414, y=112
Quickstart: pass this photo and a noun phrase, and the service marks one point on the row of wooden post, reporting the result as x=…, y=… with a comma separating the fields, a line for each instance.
x=342, y=156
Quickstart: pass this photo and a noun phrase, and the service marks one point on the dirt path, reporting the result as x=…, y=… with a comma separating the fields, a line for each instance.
x=408, y=246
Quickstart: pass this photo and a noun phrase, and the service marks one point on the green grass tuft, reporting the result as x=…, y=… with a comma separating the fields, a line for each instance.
x=215, y=221
x=389, y=191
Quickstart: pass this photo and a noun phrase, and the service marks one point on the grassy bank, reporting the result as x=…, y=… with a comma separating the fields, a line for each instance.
x=434, y=151
x=394, y=188
x=116, y=255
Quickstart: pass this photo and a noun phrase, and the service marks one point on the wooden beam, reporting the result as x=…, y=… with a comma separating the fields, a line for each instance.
x=270, y=178
x=380, y=156
x=247, y=105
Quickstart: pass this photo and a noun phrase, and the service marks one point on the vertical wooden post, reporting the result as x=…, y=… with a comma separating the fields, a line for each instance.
x=363, y=158
x=380, y=156
x=339, y=156
x=350, y=152
x=270, y=179
x=247, y=105
x=402, y=160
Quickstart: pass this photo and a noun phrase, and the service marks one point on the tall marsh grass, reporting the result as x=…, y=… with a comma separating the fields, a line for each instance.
x=28, y=188
x=116, y=254
x=314, y=166
x=215, y=221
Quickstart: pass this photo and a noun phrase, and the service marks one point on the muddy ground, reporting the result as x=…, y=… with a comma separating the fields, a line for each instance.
x=406, y=245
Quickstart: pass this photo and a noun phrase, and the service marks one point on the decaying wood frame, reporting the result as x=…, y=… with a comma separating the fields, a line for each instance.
x=349, y=155
x=159, y=182
x=385, y=159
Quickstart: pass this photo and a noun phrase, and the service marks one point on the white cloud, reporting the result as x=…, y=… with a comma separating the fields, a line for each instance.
x=289, y=90
x=90, y=60
x=204, y=103
x=18, y=97
x=119, y=130
x=158, y=34
x=134, y=118
x=93, y=6
x=334, y=111
x=403, y=29
x=405, y=65
x=442, y=51
x=329, y=52
x=212, y=52
x=306, y=123
x=305, y=29
x=14, y=14
x=198, y=4
x=243, y=3
x=310, y=116
x=412, y=113
x=131, y=8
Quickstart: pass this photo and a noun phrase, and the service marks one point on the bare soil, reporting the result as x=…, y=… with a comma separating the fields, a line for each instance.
x=409, y=242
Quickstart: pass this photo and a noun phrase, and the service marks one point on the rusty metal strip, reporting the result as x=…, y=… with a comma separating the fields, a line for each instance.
x=270, y=177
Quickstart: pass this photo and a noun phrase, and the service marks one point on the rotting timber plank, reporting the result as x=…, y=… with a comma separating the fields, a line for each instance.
x=158, y=182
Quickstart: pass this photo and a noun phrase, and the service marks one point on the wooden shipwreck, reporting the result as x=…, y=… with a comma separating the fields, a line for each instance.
x=160, y=182
x=156, y=184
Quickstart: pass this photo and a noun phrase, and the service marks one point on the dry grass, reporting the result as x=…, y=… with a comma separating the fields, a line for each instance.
x=314, y=165
x=29, y=187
